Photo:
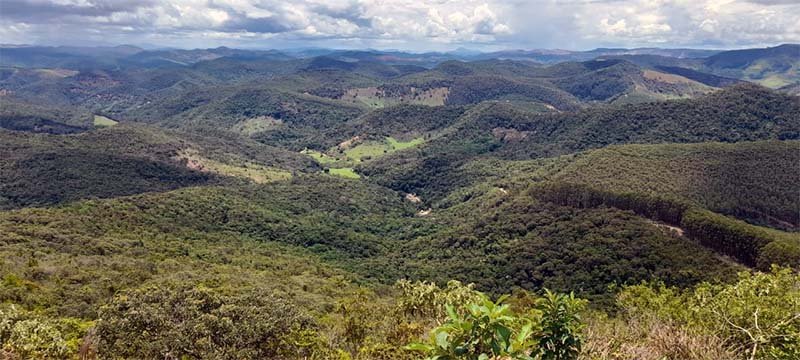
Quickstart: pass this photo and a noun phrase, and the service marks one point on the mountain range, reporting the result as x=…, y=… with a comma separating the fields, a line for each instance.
x=334, y=203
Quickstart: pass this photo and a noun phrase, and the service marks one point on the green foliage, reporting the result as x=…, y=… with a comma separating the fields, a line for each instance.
x=27, y=337
x=196, y=322
x=728, y=236
x=207, y=264
x=354, y=316
x=561, y=326
x=501, y=240
x=741, y=113
x=486, y=330
x=426, y=299
x=781, y=252
x=37, y=117
x=759, y=315
x=42, y=169
x=749, y=180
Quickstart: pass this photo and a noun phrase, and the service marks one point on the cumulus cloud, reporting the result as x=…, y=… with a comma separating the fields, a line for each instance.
x=411, y=24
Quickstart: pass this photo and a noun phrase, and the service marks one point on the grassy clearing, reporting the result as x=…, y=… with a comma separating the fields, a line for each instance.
x=774, y=81
x=366, y=151
x=401, y=145
x=247, y=170
x=319, y=157
x=372, y=150
x=362, y=152
x=345, y=173
x=257, y=173
x=101, y=121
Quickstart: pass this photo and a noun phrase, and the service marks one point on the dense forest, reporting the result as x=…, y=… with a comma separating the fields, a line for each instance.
x=243, y=204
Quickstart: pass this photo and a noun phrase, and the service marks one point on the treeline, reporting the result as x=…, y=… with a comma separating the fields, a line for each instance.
x=752, y=181
x=728, y=236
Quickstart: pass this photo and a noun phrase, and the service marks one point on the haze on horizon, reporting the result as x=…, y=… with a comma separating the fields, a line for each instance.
x=410, y=25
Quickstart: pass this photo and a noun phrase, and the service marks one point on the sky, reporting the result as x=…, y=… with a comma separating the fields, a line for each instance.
x=413, y=25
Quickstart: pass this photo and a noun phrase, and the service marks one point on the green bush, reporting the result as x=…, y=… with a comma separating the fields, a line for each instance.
x=758, y=316
x=196, y=322
x=561, y=326
x=26, y=337
x=486, y=329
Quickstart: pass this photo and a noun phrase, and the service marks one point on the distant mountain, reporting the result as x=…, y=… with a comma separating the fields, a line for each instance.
x=772, y=67
x=189, y=57
x=553, y=56
x=64, y=56
x=791, y=89
x=92, y=57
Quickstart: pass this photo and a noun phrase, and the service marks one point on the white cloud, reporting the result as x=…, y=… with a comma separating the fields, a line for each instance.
x=416, y=24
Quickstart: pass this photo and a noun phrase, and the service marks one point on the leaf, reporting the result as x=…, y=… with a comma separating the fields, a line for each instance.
x=419, y=347
x=504, y=333
x=524, y=333
x=451, y=312
x=441, y=340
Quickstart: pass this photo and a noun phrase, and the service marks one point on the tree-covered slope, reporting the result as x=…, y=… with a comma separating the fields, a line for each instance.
x=40, y=169
x=690, y=187
x=756, y=181
x=773, y=67
x=739, y=113
x=16, y=114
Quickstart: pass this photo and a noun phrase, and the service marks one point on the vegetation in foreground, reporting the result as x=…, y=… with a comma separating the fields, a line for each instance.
x=757, y=317
x=589, y=218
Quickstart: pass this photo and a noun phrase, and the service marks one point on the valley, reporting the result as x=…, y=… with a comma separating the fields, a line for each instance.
x=235, y=204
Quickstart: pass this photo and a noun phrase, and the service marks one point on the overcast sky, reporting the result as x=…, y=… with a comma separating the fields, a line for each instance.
x=418, y=25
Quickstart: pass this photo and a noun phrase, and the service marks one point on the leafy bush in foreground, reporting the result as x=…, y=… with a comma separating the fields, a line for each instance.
x=492, y=330
x=27, y=337
x=758, y=316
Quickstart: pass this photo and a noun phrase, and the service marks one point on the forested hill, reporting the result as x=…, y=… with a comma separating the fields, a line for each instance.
x=740, y=113
x=42, y=169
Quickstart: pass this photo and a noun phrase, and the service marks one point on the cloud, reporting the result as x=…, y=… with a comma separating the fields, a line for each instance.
x=411, y=24
x=32, y=10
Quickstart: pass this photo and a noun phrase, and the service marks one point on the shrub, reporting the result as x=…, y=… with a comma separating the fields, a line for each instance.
x=26, y=337
x=561, y=326
x=424, y=299
x=781, y=253
x=759, y=315
x=488, y=329
x=178, y=321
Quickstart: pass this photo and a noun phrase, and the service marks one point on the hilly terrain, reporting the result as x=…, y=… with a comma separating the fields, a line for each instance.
x=333, y=204
x=41, y=169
